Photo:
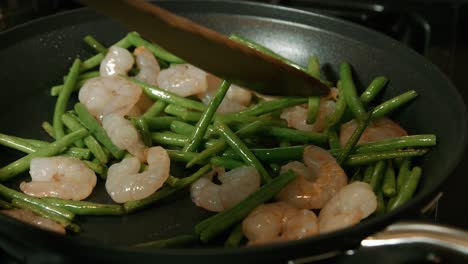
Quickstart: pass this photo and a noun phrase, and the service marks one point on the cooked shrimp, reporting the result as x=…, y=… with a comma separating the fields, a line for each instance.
x=278, y=222
x=61, y=177
x=124, y=135
x=378, y=129
x=317, y=181
x=235, y=185
x=29, y=217
x=109, y=95
x=349, y=206
x=148, y=66
x=183, y=80
x=296, y=116
x=124, y=183
x=236, y=99
x=116, y=62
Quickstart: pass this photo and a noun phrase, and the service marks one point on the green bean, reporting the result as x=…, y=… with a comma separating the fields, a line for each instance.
x=226, y=163
x=46, y=214
x=213, y=226
x=98, y=168
x=63, y=97
x=242, y=118
x=380, y=203
x=33, y=142
x=357, y=176
x=160, y=123
x=143, y=129
x=378, y=175
x=156, y=93
x=16, y=143
x=354, y=138
x=273, y=105
x=312, y=109
x=361, y=159
x=96, y=129
x=84, y=76
x=294, y=135
x=49, y=129
x=55, y=90
x=85, y=208
x=390, y=105
x=368, y=173
x=96, y=45
x=96, y=59
x=185, y=129
x=403, y=173
x=183, y=113
x=389, y=184
x=21, y=165
x=177, y=241
x=349, y=92
x=333, y=139
x=205, y=119
x=79, y=153
x=275, y=167
x=178, y=155
x=166, y=191
x=407, y=189
x=91, y=143
x=5, y=205
x=313, y=66
x=235, y=237
x=12, y=194
x=269, y=155
x=373, y=89
x=335, y=117
x=155, y=109
x=396, y=143
x=242, y=150
x=168, y=138
x=158, y=51
x=219, y=147
x=264, y=50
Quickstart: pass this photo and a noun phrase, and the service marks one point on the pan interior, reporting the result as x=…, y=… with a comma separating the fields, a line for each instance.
x=35, y=57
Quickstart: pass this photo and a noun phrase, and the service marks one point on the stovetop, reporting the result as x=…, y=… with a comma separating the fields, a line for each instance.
x=434, y=29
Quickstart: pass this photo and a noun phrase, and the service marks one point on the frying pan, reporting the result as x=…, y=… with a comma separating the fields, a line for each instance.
x=34, y=56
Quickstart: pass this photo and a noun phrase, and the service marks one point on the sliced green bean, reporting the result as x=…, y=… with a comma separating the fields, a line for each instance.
x=349, y=92
x=403, y=173
x=55, y=90
x=269, y=155
x=178, y=155
x=12, y=194
x=95, y=44
x=155, y=109
x=389, y=182
x=183, y=113
x=21, y=165
x=226, y=163
x=273, y=105
x=157, y=50
x=160, y=123
x=313, y=66
x=85, y=208
x=63, y=97
x=354, y=138
x=168, y=138
x=242, y=150
x=381, y=207
x=407, y=189
x=46, y=214
x=373, y=89
x=368, y=173
x=166, y=191
x=143, y=129
x=217, y=148
x=177, y=241
x=390, y=105
x=213, y=226
x=367, y=158
x=96, y=129
x=357, y=176
x=91, y=143
x=378, y=175
x=335, y=117
x=242, y=118
x=205, y=119
x=98, y=168
x=5, y=205
x=79, y=153
x=235, y=237
x=333, y=139
x=294, y=135
x=397, y=143
x=49, y=129
x=16, y=143
x=312, y=109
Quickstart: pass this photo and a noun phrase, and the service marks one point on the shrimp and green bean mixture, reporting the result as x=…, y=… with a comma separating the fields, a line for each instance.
x=271, y=169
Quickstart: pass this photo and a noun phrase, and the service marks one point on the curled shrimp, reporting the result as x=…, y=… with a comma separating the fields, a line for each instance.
x=378, y=129
x=118, y=61
x=235, y=185
x=124, y=183
x=109, y=95
x=31, y=218
x=349, y=206
x=278, y=222
x=183, y=80
x=296, y=116
x=148, y=66
x=236, y=99
x=317, y=181
x=124, y=135
x=61, y=177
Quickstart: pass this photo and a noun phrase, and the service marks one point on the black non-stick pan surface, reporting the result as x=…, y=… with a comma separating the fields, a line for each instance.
x=35, y=56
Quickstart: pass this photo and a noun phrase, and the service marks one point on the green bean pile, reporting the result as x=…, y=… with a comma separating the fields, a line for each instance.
x=195, y=135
